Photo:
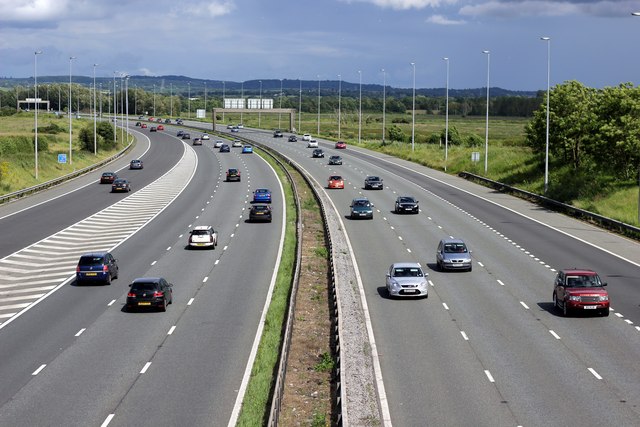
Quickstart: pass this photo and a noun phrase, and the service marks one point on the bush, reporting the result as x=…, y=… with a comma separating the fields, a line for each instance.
x=15, y=145
x=395, y=133
x=474, y=140
x=51, y=128
x=7, y=111
x=400, y=120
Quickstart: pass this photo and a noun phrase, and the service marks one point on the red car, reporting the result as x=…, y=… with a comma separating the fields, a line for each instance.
x=580, y=290
x=341, y=145
x=143, y=126
x=335, y=181
x=108, y=178
x=160, y=127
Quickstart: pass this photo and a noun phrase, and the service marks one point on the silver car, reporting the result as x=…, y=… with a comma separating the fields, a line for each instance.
x=406, y=279
x=453, y=254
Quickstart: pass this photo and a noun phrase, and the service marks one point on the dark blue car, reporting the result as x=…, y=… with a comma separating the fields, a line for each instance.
x=96, y=267
x=262, y=195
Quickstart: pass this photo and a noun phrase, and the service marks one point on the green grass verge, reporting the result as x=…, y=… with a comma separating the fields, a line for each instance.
x=255, y=409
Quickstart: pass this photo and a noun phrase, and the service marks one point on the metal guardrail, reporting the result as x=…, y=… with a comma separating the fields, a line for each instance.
x=602, y=221
x=36, y=188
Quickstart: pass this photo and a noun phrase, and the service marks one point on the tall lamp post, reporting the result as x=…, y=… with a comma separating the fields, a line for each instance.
x=189, y=98
x=115, y=123
x=205, y=100
x=241, y=96
x=71, y=58
x=546, y=150
x=446, y=120
x=224, y=90
x=339, y=102
x=35, y=92
x=260, y=106
x=300, y=106
x=95, y=117
x=318, y=105
x=154, y=99
x=360, y=108
x=384, y=102
x=171, y=98
x=486, y=131
x=638, y=14
x=280, y=112
x=413, y=109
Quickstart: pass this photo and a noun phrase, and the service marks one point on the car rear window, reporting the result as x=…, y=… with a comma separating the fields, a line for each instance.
x=91, y=260
x=144, y=287
x=200, y=232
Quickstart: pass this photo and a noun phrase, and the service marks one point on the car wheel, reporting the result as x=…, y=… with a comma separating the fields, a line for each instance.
x=117, y=273
x=565, y=309
x=163, y=307
x=470, y=268
x=108, y=282
x=605, y=312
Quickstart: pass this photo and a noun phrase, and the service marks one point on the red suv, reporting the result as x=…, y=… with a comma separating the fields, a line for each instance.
x=580, y=290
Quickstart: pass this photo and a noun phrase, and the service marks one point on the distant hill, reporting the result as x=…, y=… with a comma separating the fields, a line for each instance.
x=183, y=85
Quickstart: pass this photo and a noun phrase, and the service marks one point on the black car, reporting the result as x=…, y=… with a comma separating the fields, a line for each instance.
x=233, y=174
x=373, y=182
x=224, y=148
x=406, y=204
x=335, y=160
x=178, y=121
x=120, y=185
x=317, y=153
x=99, y=267
x=186, y=136
x=180, y=133
x=108, y=177
x=150, y=292
x=138, y=124
x=293, y=138
x=260, y=213
x=278, y=134
x=153, y=129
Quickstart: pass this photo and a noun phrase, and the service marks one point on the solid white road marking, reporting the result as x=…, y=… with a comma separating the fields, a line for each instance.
x=464, y=335
x=524, y=305
x=173, y=328
x=154, y=262
x=80, y=332
x=111, y=303
x=37, y=371
x=595, y=374
x=190, y=301
x=556, y=336
x=488, y=374
x=107, y=420
x=146, y=366
x=500, y=282
x=205, y=279
x=446, y=307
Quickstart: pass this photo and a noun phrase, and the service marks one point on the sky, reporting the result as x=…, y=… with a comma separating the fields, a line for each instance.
x=591, y=41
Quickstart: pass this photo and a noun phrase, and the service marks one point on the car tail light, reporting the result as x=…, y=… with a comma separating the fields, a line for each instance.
x=131, y=295
x=211, y=238
x=158, y=294
x=105, y=268
x=77, y=268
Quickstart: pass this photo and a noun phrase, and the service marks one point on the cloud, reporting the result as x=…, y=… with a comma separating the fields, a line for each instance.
x=443, y=20
x=518, y=8
x=213, y=8
x=32, y=10
x=405, y=4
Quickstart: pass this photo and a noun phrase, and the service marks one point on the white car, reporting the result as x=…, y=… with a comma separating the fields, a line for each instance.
x=205, y=136
x=312, y=143
x=306, y=137
x=218, y=143
x=237, y=143
x=203, y=236
x=406, y=279
x=240, y=126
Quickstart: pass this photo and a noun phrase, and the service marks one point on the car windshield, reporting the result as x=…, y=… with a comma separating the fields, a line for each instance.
x=233, y=171
x=406, y=200
x=260, y=208
x=336, y=178
x=583, y=281
x=407, y=272
x=262, y=190
x=91, y=260
x=143, y=287
x=451, y=248
x=361, y=203
x=373, y=178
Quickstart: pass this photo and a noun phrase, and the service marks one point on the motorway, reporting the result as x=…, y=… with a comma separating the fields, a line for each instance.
x=72, y=356
x=487, y=347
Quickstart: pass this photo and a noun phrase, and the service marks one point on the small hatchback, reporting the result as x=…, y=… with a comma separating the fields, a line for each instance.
x=453, y=254
x=108, y=177
x=233, y=174
x=150, y=292
x=406, y=279
x=100, y=267
x=203, y=236
x=576, y=290
x=260, y=213
x=361, y=207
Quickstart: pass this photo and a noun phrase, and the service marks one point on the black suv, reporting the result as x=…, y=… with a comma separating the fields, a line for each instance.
x=317, y=153
x=150, y=292
x=406, y=204
x=373, y=182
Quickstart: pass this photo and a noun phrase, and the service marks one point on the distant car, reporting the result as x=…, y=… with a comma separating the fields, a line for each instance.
x=312, y=143
x=580, y=290
x=224, y=148
x=247, y=149
x=205, y=136
x=120, y=184
x=373, y=183
x=306, y=137
x=293, y=138
x=235, y=129
x=151, y=119
x=108, y=177
x=149, y=292
x=138, y=123
x=335, y=181
x=197, y=141
x=230, y=126
x=160, y=127
x=140, y=117
x=335, y=160
x=317, y=153
x=153, y=129
x=233, y=174
x=237, y=143
x=406, y=279
x=136, y=164
x=278, y=134
x=178, y=121
x=217, y=144
x=167, y=121
x=341, y=145
x=99, y=267
x=240, y=126
x=453, y=254
x=186, y=136
x=260, y=213
x=143, y=126
x=180, y=133
x=406, y=204
x=203, y=236
x=361, y=207
x=262, y=195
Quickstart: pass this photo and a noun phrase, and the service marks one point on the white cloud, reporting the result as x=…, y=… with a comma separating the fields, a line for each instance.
x=405, y=4
x=443, y=20
x=516, y=8
x=32, y=10
x=213, y=8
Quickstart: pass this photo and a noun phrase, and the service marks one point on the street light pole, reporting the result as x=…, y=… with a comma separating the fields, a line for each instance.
x=546, y=150
x=413, y=109
x=339, y=102
x=300, y=106
x=224, y=91
x=486, y=132
x=243, y=105
x=35, y=92
x=154, y=100
x=280, y=112
x=171, y=98
x=360, y=109
x=318, y=105
x=205, y=100
x=115, y=133
x=260, y=106
x=446, y=120
x=71, y=58
x=384, y=103
x=95, y=117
